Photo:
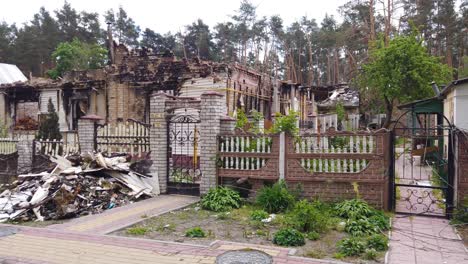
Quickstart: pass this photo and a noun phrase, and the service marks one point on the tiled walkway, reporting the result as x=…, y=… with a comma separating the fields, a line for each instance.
x=425, y=240
x=121, y=217
x=36, y=245
x=83, y=240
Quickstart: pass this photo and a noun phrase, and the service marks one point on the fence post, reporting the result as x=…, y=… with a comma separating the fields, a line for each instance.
x=212, y=109
x=158, y=138
x=282, y=156
x=87, y=132
x=25, y=155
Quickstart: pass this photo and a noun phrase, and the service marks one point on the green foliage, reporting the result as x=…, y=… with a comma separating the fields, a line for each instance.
x=460, y=215
x=241, y=121
x=313, y=235
x=276, y=198
x=258, y=215
x=362, y=219
x=49, y=126
x=351, y=246
x=288, y=237
x=124, y=28
x=360, y=227
x=339, y=142
x=306, y=218
x=138, y=231
x=340, y=111
x=221, y=199
x=286, y=123
x=380, y=220
x=378, y=242
x=3, y=130
x=463, y=71
x=353, y=209
x=77, y=55
x=195, y=232
x=370, y=254
x=402, y=71
x=256, y=115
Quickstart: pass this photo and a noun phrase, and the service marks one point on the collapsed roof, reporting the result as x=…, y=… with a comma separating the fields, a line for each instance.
x=345, y=95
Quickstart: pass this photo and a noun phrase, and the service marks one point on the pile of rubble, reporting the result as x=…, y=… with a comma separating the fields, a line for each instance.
x=76, y=186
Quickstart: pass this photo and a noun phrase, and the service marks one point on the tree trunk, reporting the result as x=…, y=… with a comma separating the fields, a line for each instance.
x=388, y=112
x=311, y=65
x=372, y=20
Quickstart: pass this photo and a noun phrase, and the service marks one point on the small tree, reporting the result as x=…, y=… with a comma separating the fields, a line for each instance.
x=49, y=125
x=77, y=55
x=286, y=123
x=402, y=72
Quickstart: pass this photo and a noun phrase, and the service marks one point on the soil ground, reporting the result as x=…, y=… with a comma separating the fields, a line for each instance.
x=235, y=226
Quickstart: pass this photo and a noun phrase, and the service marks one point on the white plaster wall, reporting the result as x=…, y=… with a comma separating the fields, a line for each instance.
x=461, y=106
x=58, y=104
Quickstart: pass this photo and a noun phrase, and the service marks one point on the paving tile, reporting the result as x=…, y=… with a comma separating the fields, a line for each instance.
x=424, y=240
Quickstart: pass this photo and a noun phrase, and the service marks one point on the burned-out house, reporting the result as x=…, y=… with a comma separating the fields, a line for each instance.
x=120, y=91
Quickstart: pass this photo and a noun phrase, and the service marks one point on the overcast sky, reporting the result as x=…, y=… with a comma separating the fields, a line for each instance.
x=172, y=15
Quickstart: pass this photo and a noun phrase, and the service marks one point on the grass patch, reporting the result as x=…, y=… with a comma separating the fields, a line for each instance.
x=137, y=231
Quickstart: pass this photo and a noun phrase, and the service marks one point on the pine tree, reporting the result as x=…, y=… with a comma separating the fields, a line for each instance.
x=49, y=126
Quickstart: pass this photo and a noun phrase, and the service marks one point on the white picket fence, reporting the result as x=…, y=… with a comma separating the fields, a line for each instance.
x=7, y=146
x=124, y=137
x=244, y=152
x=323, y=122
x=56, y=147
x=335, y=144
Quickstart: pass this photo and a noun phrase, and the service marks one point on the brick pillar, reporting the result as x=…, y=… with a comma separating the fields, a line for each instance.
x=87, y=132
x=228, y=125
x=212, y=109
x=25, y=155
x=158, y=138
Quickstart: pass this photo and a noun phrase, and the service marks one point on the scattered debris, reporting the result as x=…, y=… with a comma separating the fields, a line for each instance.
x=270, y=218
x=76, y=186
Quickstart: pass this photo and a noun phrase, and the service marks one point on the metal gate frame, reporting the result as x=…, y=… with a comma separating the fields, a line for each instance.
x=183, y=169
x=426, y=191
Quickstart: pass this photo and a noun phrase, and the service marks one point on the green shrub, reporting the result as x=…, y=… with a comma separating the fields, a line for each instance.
x=258, y=215
x=380, y=220
x=276, y=198
x=286, y=123
x=339, y=255
x=288, y=237
x=378, y=242
x=139, y=231
x=195, y=232
x=351, y=246
x=360, y=227
x=313, y=235
x=305, y=217
x=353, y=209
x=221, y=199
x=461, y=213
x=370, y=254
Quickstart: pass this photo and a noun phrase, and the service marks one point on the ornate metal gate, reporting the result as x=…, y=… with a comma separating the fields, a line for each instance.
x=183, y=164
x=422, y=165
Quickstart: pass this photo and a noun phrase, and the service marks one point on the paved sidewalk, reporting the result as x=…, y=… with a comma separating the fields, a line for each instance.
x=47, y=246
x=121, y=217
x=425, y=240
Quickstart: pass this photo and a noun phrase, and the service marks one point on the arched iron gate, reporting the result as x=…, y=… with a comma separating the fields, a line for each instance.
x=183, y=157
x=422, y=168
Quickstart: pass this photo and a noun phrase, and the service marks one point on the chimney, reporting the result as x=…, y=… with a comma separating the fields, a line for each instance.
x=111, y=42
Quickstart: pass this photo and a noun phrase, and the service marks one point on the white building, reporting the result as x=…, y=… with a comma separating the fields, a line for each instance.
x=456, y=103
